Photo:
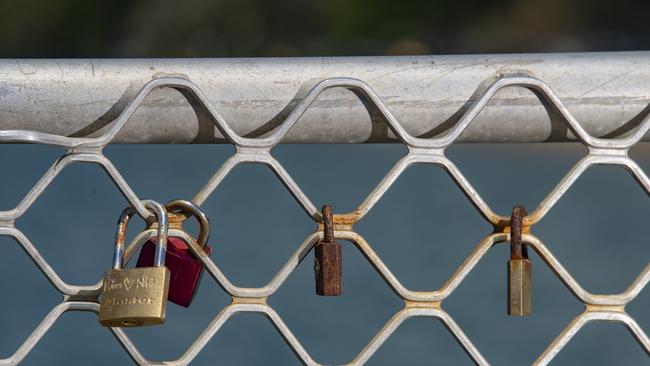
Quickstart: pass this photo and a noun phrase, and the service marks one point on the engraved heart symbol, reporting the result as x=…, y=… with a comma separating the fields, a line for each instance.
x=128, y=284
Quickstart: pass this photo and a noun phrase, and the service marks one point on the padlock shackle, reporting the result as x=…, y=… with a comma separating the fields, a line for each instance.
x=190, y=208
x=518, y=250
x=328, y=224
x=120, y=237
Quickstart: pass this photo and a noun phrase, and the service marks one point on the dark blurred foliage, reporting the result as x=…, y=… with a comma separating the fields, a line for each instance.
x=231, y=28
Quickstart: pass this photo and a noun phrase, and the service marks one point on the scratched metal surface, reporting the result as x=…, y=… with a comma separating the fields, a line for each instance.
x=609, y=307
x=606, y=92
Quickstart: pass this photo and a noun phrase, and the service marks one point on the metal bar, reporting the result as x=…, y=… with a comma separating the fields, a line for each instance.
x=607, y=93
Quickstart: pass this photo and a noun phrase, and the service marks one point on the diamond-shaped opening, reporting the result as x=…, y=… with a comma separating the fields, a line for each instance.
x=27, y=296
x=516, y=173
x=247, y=339
x=423, y=227
x=334, y=329
x=256, y=225
x=638, y=309
x=641, y=154
x=340, y=175
x=596, y=230
x=76, y=339
x=182, y=325
x=76, y=217
x=421, y=341
x=23, y=166
x=479, y=306
x=167, y=172
x=601, y=343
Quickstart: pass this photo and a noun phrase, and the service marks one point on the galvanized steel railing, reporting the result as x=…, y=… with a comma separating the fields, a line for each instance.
x=257, y=150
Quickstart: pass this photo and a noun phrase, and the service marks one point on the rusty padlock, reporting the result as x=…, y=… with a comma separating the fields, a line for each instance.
x=186, y=269
x=328, y=266
x=136, y=297
x=519, y=268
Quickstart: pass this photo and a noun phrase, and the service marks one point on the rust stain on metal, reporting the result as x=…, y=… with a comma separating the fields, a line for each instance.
x=346, y=219
x=328, y=261
x=175, y=221
x=249, y=300
x=601, y=308
x=120, y=236
x=423, y=304
x=342, y=222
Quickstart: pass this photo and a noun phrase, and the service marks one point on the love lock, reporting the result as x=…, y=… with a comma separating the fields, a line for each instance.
x=328, y=267
x=136, y=297
x=186, y=269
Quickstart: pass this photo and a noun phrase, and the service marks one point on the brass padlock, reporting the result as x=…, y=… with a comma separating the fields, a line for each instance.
x=519, y=268
x=328, y=267
x=136, y=297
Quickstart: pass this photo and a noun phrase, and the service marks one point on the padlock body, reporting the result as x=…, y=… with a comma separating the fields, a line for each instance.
x=186, y=270
x=519, y=287
x=328, y=268
x=134, y=297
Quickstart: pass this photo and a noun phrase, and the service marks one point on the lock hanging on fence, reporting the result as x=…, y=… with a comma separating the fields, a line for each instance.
x=185, y=268
x=519, y=268
x=136, y=296
x=328, y=266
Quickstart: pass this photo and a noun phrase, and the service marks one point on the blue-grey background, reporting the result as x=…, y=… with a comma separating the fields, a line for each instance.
x=423, y=228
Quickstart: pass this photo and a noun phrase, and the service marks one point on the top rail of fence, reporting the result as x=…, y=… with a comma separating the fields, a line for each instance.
x=608, y=94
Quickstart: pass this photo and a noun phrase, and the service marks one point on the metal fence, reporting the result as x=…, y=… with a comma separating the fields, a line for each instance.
x=421, y=150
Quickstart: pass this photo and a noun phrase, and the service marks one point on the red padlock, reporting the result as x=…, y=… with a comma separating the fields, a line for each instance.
x=186, y=270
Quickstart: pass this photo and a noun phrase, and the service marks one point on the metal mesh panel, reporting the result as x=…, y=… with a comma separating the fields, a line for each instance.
x=598, y=307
